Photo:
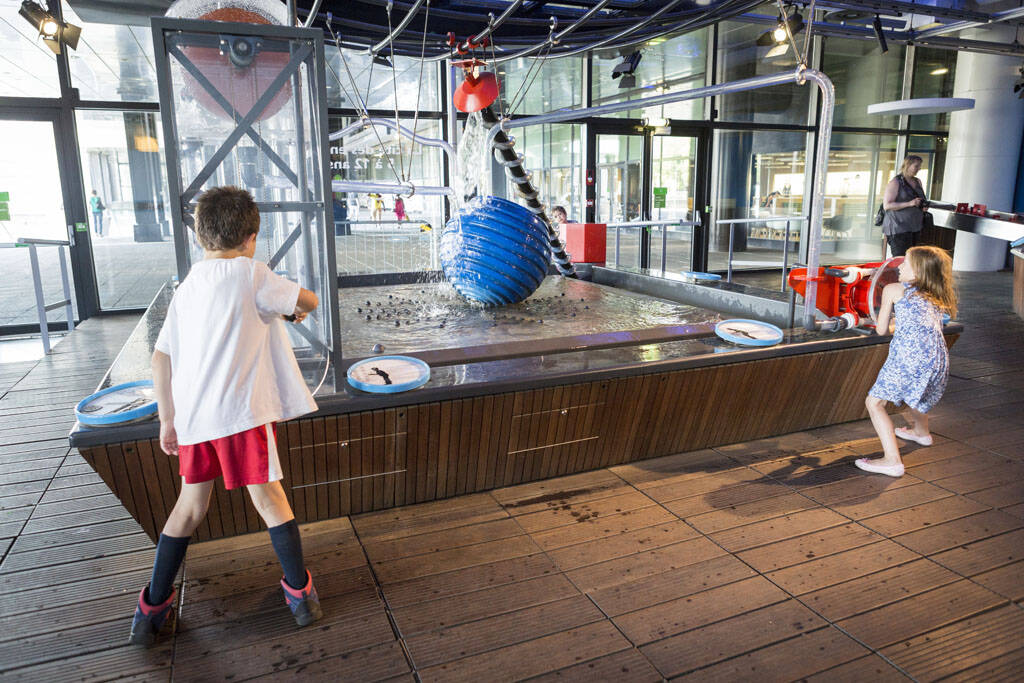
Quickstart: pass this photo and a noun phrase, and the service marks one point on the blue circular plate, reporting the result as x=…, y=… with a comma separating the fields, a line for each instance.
x=388, y=374
x=749, y=332
x=119, y=404
x=697, y=275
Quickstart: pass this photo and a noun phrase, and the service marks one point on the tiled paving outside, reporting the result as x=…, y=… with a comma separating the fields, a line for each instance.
x=774, y=560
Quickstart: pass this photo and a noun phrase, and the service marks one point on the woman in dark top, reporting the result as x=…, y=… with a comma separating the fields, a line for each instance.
x=904, y=202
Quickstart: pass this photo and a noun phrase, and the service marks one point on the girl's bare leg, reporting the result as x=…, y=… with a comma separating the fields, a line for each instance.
x=882, y=423
x=918, y=422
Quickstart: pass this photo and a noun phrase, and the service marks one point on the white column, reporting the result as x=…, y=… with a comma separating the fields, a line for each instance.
x=984, y=144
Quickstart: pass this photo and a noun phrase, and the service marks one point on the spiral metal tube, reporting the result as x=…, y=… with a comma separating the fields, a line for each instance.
x=523, y=180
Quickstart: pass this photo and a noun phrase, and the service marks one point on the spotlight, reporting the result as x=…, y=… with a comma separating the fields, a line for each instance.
x=52, y=31
x=383, y=61
x=778, y=34
x=877, y=25
x=1019, y=86
x=625, y=70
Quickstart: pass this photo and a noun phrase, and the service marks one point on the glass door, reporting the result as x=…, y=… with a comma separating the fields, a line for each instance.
x=619, y=195
x=31, y=206
x=673, y=197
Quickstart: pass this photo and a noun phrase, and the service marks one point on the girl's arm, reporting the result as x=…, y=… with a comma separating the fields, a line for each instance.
x=165, y=402
x=890, y=295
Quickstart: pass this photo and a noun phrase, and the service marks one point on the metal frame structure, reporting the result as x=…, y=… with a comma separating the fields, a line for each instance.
x=305, y=48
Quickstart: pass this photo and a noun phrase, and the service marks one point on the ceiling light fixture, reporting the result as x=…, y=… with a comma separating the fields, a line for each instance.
x=940, y=71
x=625, y=69
x=778, y=35
x=53, y=32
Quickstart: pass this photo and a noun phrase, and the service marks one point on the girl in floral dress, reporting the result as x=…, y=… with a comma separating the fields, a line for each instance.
x=917, y=368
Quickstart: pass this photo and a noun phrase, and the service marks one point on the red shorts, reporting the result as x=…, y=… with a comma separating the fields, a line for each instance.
x=248, y=457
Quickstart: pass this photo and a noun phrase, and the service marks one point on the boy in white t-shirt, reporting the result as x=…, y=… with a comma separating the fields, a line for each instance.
x=224, y=374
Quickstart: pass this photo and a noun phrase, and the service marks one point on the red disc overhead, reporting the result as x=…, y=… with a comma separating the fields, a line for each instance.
x=476, y=92
x=242, y=86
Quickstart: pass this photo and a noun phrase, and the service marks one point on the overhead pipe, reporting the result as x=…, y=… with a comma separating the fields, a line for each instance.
x=398, y=29
x=477, y=40
x=995, y=18
x=404, y=132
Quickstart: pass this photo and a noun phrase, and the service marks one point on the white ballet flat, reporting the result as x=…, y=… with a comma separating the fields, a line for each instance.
x=878, y=468
x=907, y=435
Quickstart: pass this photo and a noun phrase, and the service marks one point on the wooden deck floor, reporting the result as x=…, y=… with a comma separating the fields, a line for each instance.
x=774, y=560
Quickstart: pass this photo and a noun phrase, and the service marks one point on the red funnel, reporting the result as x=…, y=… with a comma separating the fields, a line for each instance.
x=476, y=92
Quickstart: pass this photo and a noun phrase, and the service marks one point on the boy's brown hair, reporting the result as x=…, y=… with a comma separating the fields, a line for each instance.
x=225, y=217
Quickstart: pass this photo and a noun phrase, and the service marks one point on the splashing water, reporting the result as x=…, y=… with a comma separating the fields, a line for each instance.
x=470, y=179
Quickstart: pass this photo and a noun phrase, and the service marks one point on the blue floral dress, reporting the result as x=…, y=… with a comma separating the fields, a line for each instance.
x=917, y=368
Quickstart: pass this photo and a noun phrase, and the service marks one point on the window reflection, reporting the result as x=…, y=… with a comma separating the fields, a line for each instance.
x=863, y=75
x=859, y=167
x=354, y=80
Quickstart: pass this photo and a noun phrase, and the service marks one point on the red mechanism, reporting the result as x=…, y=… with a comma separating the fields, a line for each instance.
x=853, y=292
x=479, y=89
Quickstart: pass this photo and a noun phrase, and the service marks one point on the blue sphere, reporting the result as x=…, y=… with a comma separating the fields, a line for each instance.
x=495, y=252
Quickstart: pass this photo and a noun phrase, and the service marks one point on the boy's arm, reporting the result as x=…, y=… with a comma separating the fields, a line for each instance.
x=306, y=303
x=165, y=402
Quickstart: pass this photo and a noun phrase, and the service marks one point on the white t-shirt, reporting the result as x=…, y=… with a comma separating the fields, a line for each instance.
x=232, y=366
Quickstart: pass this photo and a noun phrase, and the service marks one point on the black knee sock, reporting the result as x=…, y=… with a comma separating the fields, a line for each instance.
x=288, y=546
x=170, y=551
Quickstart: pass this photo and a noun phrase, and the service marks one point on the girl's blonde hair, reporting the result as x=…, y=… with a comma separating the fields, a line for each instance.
x=911, y=159
x=933, y=276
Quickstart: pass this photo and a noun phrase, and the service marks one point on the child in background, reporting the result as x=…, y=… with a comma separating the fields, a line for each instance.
x=399, y=208
x=224, y=374
x=917, y=367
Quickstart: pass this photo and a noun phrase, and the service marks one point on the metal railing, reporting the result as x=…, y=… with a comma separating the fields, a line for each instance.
x=37, y=283
x=682, y=223
x=784, y=264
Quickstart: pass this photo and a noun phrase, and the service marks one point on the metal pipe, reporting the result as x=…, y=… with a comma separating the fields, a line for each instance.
x=668, y=98
x=398, y=29
x=962, y=25
x=765, y=219
x=728, y=263
x=628, y=224
x=312, y=14
x=37, y=284
x=474, y=41
x=403, y=131
x=785, y=258
x=67, y=288
x=828, y=99
x=664, y=247
x=387, y=188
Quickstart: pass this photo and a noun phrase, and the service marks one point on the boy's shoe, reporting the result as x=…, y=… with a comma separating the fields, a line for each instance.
x=151, y=619
x=304, y=603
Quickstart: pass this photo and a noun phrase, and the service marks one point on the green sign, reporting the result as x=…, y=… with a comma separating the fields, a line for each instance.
x=5, y=196
x=5, y=213
x=81, y=227
x=660, y=194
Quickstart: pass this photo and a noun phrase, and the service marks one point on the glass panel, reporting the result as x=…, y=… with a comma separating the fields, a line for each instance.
x=862, y=76
x=27, y=68
x=114, y=59
x=554, y=154
x=674, y=162
x=739, y=57
x=531, y=86
x=859, y=166
x=934, y=71
x=666, y=65
x=619, y=187
x=35, y=208
x=353, y=78
x=124, y=173
x=278, y=157
x=760, y=175
x=370, y=236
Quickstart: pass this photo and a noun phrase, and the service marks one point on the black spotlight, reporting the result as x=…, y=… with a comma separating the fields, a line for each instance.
x=625, y=70
x=383, y=61
x=777, y=35
x=52, y=31
x=877, y=25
